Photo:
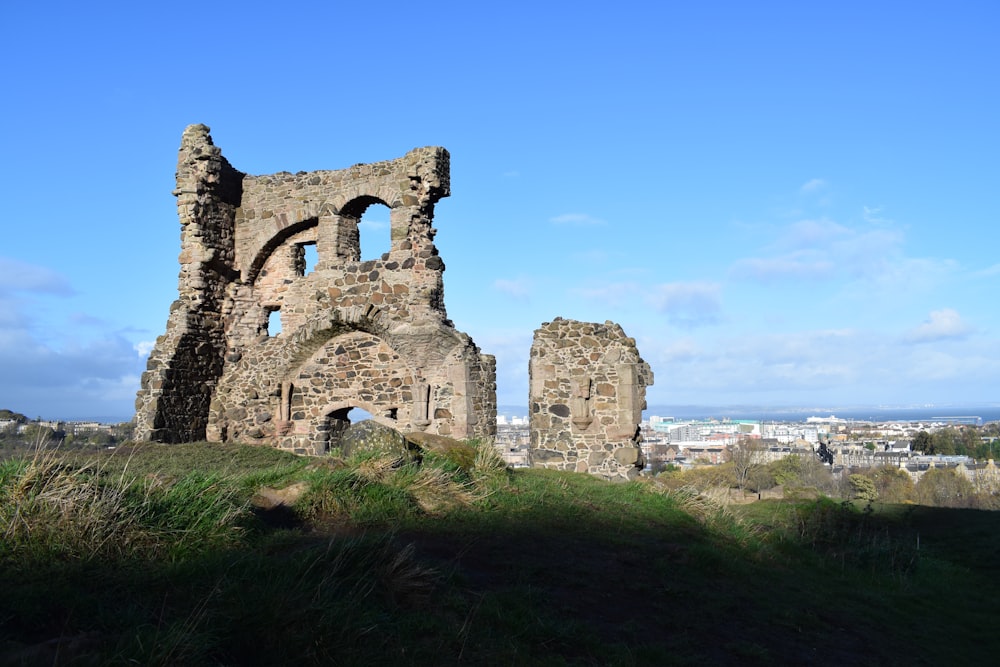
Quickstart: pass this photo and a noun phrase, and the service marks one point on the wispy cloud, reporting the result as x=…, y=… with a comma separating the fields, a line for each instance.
x=591, y=256
x=688, y=304
x=144, y=347
x=820, y=249
x=768, y=269
x=98, y=378
x=942, y=324
x=874, y=215
x=614, y=295
x=73, y=365
x=18, y=276
x=813, y=185
x=518, y=288
x=810, y=234
x=84, y=319
x=580, y=219
x=680, y=350
x=372, y=224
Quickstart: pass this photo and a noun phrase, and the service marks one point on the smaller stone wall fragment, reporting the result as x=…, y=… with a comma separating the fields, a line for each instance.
x=586, y=396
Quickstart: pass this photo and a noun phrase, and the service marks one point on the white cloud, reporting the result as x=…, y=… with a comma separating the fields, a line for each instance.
x=687, y=304
x=812, y=233
x=591, y=257
x=823, y=249
x=610, y=294
x=143, y=348
x=18, y=276
x=679, y=350
x=942, y=324
x=374, y=225
x=872, y=215
x=519, y=288
x=813, y=185
x=580, y=219
x=97, y=379
x=831, y=366
x=59, y=366
x=766, y=269
x=84, y=319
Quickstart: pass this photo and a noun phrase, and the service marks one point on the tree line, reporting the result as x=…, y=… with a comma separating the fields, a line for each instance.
x=978, y=443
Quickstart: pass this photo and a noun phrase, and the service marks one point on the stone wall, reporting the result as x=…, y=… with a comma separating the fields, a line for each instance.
x=587, y=392
x=369, y=334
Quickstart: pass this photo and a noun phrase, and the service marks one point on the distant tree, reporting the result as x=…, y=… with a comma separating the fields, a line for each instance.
x=968, y=441
x=746, y=457
x=945, y=487
x=945, y=442
x=987, y=449
x=760, y=479
x=705, y=477
x=923, y=442
x=786, y=470
x=99, y=437
x=893, y=485
x=863, y=488
x=38, y=435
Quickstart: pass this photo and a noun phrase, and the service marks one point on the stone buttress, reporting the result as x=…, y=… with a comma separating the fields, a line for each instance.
x=367, y=334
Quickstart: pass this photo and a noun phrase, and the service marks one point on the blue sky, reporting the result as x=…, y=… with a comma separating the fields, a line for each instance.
x=785, y=203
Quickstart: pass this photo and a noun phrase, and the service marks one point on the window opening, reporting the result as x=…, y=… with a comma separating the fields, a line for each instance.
x=358, y=415
x=273, y=321
x=375, y=231
x=304, y=258
x=310, y=257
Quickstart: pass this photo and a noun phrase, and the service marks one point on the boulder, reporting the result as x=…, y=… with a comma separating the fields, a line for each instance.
x=371, y=438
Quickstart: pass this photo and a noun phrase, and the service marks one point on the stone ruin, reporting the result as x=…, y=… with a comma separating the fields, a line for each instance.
x=587, y=393
x=356, y=334
x=367, y=334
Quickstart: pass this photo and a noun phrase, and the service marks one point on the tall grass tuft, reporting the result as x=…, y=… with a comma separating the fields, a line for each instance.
x=489, y=462
x=54, y=511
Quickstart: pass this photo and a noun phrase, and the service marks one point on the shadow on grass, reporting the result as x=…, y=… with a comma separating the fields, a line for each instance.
x=547, y=569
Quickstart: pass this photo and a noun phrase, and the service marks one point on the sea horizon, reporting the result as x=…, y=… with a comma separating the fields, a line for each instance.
x=988, y=412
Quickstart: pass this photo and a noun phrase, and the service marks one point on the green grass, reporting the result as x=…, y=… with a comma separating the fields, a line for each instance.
x=156, y=555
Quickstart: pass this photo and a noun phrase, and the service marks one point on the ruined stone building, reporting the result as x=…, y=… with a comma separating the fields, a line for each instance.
x=356, y=334
x=367, y=334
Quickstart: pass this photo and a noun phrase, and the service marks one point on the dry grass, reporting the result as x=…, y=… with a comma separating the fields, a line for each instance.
x=50, y=509
x=47, y=506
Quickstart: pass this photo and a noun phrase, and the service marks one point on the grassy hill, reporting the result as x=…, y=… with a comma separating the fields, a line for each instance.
x=225, y=555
